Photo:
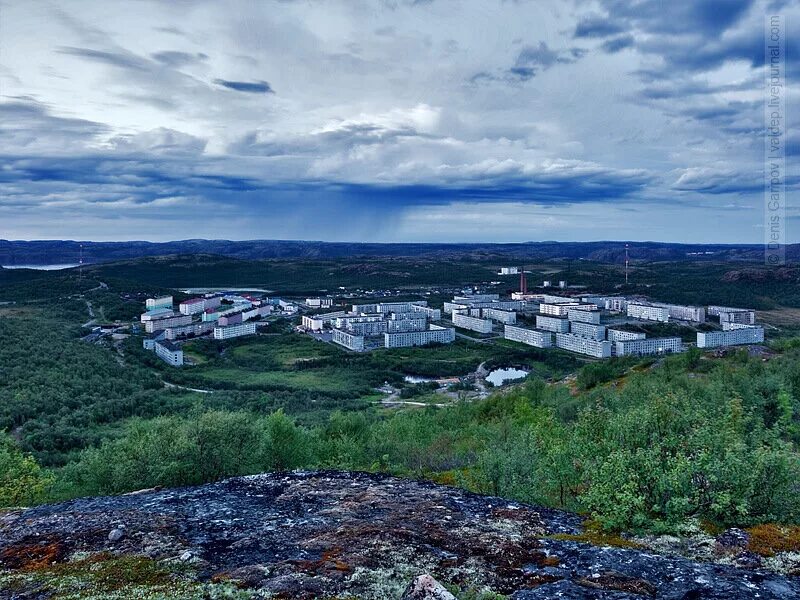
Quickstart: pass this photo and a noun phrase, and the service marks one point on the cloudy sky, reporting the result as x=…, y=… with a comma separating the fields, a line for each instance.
x=387, y=120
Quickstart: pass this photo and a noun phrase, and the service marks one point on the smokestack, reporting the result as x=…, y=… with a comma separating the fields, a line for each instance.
x=523, y=282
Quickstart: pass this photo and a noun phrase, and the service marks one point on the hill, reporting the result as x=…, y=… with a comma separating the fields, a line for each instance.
x=46, y=252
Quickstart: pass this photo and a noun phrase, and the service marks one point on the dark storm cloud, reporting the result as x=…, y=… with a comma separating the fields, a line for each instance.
x=122, y=60
x=177, y=59
x=250, y=87
x=618, y=44
x=595, y=26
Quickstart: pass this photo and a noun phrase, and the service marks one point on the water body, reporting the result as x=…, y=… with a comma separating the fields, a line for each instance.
x=415, y=379
x=41, y=267
x=500, y=376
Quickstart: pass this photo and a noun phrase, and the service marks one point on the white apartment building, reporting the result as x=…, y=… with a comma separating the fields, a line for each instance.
x=349, y=340
x=737, y=335
x=696, y=314
x=403, y=325
x=366, y=328
x=588, y=330
x=318, y=322
x=582, y=345
x=618, y=335
x=509, y=271
x=154, y=315
x=319, y=302
x=473, y=323
x=195, y=306
x=157, y=303
x=727, y=314
x=450, y=307
x=552, y=324
x=557, y=310
x=531, y=337
x=508, y=317
x=645, y=347
x=201, y=328
x=648, y=312
x=434, y=314
x=583, y=315
x=473, y=298
x=162, y=324
x=616, y=304
x=233, y=331
x=436, y=334
x=169, y=353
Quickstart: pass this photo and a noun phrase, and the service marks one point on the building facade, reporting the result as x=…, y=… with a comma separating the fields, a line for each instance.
x=436, y=334
x=157, y=303
x=162, y=324
x=552, y=324
x=472, y=323
x=351, y=341
x=618, y=335
x=169, y=353
x=741, y=334
x=584, y=316
x=649, y=346
x=508, y=317
x=582, y=345
x=588, y=330
x=531, y=337
x=233, y=331
x=648, y=312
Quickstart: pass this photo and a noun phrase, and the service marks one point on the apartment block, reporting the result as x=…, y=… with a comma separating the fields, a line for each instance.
x=648, y=312
x=366, y=328
x=473, y=298
x=531, y=337
x=404, y=325
x=552, y=324
x=618, y=335
x=582, y=345
x=741, y=334
x=162, y=324
x=502, y=316
x=169, y=353
x=645, y=347
x=696, y=314
x=589, y=330
x=557, y=310
x=434, y=314
x=473, y=323
x=616, y=304
x=193, y=329
x=157, y=303
x=196, y=306
x=233, y=331
x=436, y=334
x=318, y=322
x=319, y=302
x=584, y=316
x=727, y=314
x=351, y=341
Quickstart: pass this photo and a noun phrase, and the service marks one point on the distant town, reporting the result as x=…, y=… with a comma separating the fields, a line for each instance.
x=552, y=316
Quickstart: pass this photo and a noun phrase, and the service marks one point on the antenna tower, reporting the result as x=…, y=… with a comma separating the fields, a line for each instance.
x=626, y=264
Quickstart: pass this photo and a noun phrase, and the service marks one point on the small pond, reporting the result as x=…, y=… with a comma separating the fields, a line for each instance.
x=500, y=376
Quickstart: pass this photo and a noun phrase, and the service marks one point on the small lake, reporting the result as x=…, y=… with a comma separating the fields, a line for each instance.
x=415, y=379
x=41, y=267
x=500, y=376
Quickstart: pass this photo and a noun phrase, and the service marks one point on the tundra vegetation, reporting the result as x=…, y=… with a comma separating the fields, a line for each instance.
x=636, y=445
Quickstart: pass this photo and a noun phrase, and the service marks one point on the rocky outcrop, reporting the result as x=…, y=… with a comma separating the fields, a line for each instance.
x=354, y=535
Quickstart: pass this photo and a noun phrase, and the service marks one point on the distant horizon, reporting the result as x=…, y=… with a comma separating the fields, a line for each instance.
x=392, y=243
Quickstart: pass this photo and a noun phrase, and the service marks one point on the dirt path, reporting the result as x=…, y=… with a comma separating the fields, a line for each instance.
x=188, y=389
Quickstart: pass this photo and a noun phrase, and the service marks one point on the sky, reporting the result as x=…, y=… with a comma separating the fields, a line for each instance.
x=389, y=120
